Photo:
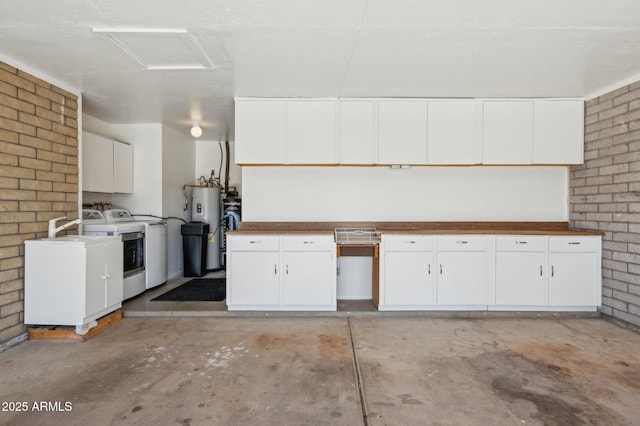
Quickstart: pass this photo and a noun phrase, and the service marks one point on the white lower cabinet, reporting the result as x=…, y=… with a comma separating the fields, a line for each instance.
x=548, y=273
x=407, y=275
x=575, y=277
x=307, y=278
x=275, y=272
x=471, y=272
x=72, y=280
x=255, y=278
x=462, y=270
x=521, y=271
x=427, y=272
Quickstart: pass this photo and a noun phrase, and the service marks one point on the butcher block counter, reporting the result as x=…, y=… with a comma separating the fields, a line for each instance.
x=426, y=228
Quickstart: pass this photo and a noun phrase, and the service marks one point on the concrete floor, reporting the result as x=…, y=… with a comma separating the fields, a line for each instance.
x=334, y=370
x=144, y=305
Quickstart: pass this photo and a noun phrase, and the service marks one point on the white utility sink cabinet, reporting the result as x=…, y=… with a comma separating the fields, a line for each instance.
x=72, y=280
x=281, y=272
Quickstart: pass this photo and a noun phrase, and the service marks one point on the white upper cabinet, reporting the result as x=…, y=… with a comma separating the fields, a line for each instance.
x=122, y=167
x=311, y=132
x=558, y=131
x=260, y=131
x=402, y=132
x=107, y=165
x=97, y=163
x=409, y=131
x=358, y=133
x=453, y=135
x=507, y=132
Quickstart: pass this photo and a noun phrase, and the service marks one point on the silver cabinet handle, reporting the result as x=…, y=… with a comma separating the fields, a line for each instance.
x=462, y=242
x=574, y=243
x=540, y=270
x=286, y=269
x=308, y=242
x=553, y=271
x=106, y=277
x=429, y=269
x=275, y=269
x=255, y=242
x=521, y=242
x=409, y=242
x=441, y=269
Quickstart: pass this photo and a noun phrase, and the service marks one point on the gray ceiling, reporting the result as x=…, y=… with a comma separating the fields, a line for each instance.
x=318, y=48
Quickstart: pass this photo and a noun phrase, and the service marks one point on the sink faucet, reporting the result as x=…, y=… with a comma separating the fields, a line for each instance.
x=52, y=225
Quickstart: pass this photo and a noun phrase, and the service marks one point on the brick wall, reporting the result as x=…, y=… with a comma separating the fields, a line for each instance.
x=605, y=196
x=38, y=178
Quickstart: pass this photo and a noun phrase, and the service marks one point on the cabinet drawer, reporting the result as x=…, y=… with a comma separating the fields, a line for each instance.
x=253, y=243
x=407, y=243
x=520, y=243
x=462, y=243
x=309, y=243
x=574, y=244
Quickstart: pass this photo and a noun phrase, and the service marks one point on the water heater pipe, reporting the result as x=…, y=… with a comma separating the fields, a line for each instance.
x=226, y=168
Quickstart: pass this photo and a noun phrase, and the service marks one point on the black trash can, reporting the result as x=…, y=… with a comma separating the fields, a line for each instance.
x=194, y=248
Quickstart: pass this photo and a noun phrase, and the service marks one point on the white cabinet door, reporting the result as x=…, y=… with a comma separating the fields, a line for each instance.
x=521, y=278
x=462, y=278
x=452, y=136
x=122, y=167
x=104, y=277
x=357, y=132
x=307, y=278
x=114, y=267
x=260, y=131
x=254, y=278
x=402, y=132
x=96, y=279
x=311, y=132
x=408, y=278
x=558, y=131
x=507, y=132
x=574, y=279
x=97, y=163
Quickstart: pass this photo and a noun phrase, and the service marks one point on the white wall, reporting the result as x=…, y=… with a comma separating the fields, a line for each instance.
x=163, y=162
x=208, y=158
x=178, y=169
x=481, y=193
x=146, y=140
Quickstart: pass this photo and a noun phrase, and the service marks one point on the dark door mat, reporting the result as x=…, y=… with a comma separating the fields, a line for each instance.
x=197, y=290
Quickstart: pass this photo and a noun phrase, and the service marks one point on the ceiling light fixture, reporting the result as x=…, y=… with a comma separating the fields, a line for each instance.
x=196, y=131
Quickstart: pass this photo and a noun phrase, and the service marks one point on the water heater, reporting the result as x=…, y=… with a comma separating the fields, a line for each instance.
x=205, y=207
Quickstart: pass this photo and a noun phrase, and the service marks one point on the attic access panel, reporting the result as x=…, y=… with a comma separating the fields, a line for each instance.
x=160, y=49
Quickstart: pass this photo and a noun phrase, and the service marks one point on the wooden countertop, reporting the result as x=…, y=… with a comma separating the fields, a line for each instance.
x=416, y=228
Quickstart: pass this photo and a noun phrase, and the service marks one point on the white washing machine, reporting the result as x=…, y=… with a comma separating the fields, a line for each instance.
x=133, y=242
x=155, y=244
